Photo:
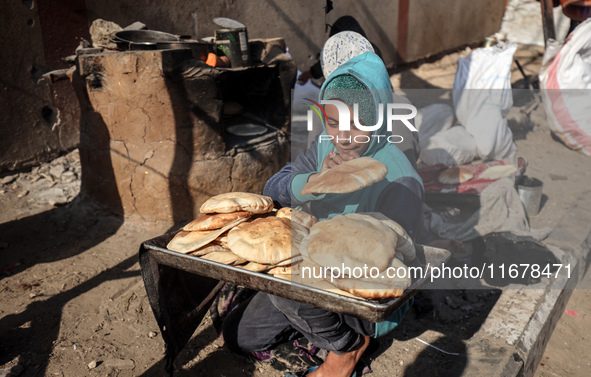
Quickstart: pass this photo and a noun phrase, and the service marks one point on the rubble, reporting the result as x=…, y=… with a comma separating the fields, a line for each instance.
x=8, y=179
x=52, y=184
x=101, y=32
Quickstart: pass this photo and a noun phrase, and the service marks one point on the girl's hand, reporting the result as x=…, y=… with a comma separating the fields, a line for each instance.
x=335, y=158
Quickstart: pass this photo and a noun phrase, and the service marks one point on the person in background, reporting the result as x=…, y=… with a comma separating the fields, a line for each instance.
x=344, y=23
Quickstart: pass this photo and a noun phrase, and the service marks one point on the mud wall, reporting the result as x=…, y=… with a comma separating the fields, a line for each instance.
x=39, y=121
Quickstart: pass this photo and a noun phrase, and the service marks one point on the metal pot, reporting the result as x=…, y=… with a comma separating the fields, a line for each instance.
x=153, y=36
x=199, y=49
x=156, y=40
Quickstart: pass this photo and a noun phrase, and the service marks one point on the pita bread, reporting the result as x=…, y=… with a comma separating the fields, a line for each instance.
x=284, y=213
x=222, y=241
x=185, y=242
x=217, y=221
x=207, y=249
x=498, y=172
x=349, y=176
x=381, y=287
x=237, y=201
x=266, y=240
x=297, y=216
x=352, y=240
x=225, y=257
x=404, y=244
x=371, y=290
x=455, y=175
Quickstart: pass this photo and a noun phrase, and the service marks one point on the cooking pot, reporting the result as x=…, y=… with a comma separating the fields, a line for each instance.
x=157, y=40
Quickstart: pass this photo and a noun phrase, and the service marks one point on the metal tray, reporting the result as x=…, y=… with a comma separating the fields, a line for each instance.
x=371, y=310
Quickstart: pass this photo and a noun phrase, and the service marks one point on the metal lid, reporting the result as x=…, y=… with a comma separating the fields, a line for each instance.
x=228, y=23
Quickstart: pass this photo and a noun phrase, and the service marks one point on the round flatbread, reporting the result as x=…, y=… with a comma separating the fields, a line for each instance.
x=349, y=176
x=284, y=213
x=352, y=240
x=225, y=257
x=498, y=172
x=387, y=285
x=207, y=249
x=255, y=267
x=186, y=242
x=266, y=240
x=216, y=221
x=455, y=175
x=371, y=290
x=404, y=244
x=237, y=201
x=297, y=216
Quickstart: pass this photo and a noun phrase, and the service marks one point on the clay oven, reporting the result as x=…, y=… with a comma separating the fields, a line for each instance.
x=154, y=140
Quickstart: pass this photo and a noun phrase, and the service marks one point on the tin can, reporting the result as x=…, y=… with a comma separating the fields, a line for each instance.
x=233, y=43
x=489, y=41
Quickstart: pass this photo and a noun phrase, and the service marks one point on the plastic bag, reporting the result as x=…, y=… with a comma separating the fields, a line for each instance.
x=565, y=81
x=482, y=98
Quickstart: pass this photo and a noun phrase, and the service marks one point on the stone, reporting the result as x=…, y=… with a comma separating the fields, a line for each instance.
x=92, y=364
x=121, y=364
x=101, y=31
x=8, y=179
x=53, y=196
x=69, y=177
x=152, y=334
x=57, y=171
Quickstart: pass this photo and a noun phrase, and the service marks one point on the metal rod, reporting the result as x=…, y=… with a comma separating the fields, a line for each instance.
x=548, y=21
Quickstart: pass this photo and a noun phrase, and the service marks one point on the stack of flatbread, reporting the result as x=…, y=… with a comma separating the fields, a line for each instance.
x=360, y=242
x=241, y=229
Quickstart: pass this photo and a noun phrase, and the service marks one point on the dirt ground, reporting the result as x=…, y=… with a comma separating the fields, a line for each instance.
x=72, y=302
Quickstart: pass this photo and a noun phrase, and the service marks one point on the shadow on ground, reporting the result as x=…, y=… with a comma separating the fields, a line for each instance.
x=49, y=237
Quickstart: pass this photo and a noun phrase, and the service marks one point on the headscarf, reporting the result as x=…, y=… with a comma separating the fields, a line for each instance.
x=368, y=70
x=341, y=48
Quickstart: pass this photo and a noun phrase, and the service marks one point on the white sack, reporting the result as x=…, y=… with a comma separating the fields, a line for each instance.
x=454, y=146
x=565, y=80
x=482, y=98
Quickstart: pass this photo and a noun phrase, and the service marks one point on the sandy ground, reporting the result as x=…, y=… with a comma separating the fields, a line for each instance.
x=72, y=302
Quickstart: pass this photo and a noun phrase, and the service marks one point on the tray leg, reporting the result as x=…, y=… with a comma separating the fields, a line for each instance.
x=179, y=300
